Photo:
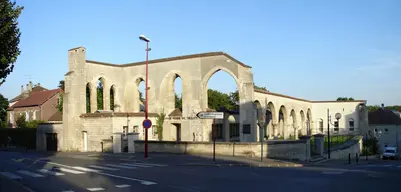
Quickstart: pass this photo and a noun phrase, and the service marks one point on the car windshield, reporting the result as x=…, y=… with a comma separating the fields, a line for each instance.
x=389, y=151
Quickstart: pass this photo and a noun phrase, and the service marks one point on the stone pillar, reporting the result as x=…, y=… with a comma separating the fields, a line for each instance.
x=117, y=142
x=132, y=137
x=319, y=143
x=307, y=147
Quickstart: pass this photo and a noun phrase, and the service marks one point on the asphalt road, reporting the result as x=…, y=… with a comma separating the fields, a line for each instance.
x=83, y=172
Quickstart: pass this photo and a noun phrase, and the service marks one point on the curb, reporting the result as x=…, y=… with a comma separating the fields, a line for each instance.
x=243, y=165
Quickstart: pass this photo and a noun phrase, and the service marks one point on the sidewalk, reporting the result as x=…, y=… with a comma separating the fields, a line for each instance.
x=333, y=162
x=191, y=160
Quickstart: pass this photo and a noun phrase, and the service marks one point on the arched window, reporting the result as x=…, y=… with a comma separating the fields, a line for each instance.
x=320, y=125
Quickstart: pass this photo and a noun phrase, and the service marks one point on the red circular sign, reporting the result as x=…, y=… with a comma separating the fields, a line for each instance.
x=147, y=123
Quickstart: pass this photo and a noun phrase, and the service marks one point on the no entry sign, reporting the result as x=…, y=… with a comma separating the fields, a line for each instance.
x=147, y=123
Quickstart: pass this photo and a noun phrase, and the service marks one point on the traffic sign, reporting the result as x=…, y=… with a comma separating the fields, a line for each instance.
x=211, y=115
x=147, y=123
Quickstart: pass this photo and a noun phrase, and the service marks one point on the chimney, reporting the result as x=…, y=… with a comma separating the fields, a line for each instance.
x=26, y=93
x=22, y=89
x=30, y=86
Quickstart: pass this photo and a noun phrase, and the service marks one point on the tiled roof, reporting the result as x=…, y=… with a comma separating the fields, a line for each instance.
x=384, y=117
x=36, y=98
x=21, y=96
x=57, y=116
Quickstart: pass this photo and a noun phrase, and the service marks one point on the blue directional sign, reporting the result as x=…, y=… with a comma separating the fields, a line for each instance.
x=147, y=123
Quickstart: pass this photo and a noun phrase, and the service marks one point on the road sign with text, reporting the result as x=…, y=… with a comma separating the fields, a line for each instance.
x=210, y=115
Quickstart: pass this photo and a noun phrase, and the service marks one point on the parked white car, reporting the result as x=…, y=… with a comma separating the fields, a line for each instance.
x=390, y=153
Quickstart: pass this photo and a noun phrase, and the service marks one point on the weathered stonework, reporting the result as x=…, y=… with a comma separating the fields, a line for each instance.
x=195, y=72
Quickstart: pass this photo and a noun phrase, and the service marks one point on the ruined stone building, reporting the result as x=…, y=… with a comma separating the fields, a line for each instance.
x=84, y=126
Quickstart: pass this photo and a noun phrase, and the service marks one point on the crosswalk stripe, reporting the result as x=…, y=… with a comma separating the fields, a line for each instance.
x=10, y=175
x=122, y=186
x=95, y=189
x=134, y=165
x=68, y=170
x=30, y=173
x=86, y=169
x=67, y=191
x=105, y=168
x=50, y=172
x=121, y=166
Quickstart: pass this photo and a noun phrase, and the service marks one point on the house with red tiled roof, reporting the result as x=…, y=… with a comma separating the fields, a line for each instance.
x=36, y=104
x=30, y=88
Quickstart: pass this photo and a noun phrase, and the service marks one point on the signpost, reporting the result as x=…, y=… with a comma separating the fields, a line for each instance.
x=212, y=115
x=262, y=125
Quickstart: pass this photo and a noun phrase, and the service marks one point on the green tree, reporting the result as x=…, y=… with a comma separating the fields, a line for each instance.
x=21, y=122
x=3, y=108
x=99, y=96
x=217, y=99
x=159, y=125
x=178, y=102
x=59, y=105
x=9, y=37
x=345, y=99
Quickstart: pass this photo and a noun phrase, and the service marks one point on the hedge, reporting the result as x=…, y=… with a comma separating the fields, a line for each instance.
x=20, y=137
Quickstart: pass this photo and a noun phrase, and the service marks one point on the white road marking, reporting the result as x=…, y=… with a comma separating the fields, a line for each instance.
x=134, y=165
x=67, y=191
x=95, y=189
x=332, y=172
x=121, y=166
x=30, y=174
x=50, y=172
x=105, y=168
x=143, y=182
x=68, y=170
x=122, y=186
x=10, y=175
x=86, y=169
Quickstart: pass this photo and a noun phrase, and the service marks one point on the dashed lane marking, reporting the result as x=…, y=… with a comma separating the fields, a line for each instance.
x=30, y=173
x=86, y=169
x=123, y=186
x=50, y=172
x=95, y=189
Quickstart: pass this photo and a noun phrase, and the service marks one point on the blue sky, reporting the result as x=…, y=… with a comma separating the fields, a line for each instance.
x=312, y=49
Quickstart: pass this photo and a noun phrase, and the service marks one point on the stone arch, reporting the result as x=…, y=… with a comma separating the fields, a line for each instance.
x=282, y=120
x=205, y=80
x=100, y=90
x=131, y=94
x=88, y=94
x=302, y=122
x=271, y=118
x=294, y=125
x=167, y=93
x=309, y=122
x=320, y=125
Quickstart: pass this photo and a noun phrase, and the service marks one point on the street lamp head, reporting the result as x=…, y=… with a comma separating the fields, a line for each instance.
x=143, y=38
x=338, y=116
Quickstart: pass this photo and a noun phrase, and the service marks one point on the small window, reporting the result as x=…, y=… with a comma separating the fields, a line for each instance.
x=135, y=129
x=246, y=129
x=351, y=123
x=26, y=116
x=34, y=115
x=234, y=130
x=320, y=121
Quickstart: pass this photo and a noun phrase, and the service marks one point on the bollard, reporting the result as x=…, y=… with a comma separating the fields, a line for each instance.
x=356, y=157
x=349, y=158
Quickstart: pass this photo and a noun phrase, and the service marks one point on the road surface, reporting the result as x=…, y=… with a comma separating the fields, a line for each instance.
x=83, y=172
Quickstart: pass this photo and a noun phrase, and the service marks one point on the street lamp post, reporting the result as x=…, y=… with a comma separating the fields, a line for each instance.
x=338, y=117
x=143, y=38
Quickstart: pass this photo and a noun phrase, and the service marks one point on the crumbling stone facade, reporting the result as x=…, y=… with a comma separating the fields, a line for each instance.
x=81, y=124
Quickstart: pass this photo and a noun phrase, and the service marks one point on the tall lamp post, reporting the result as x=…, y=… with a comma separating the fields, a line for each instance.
x=338, y=117
x=143, y=38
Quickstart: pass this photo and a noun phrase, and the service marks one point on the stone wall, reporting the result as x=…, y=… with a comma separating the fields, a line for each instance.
x=294, y=150
x=351, y=147
x=43, y=128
